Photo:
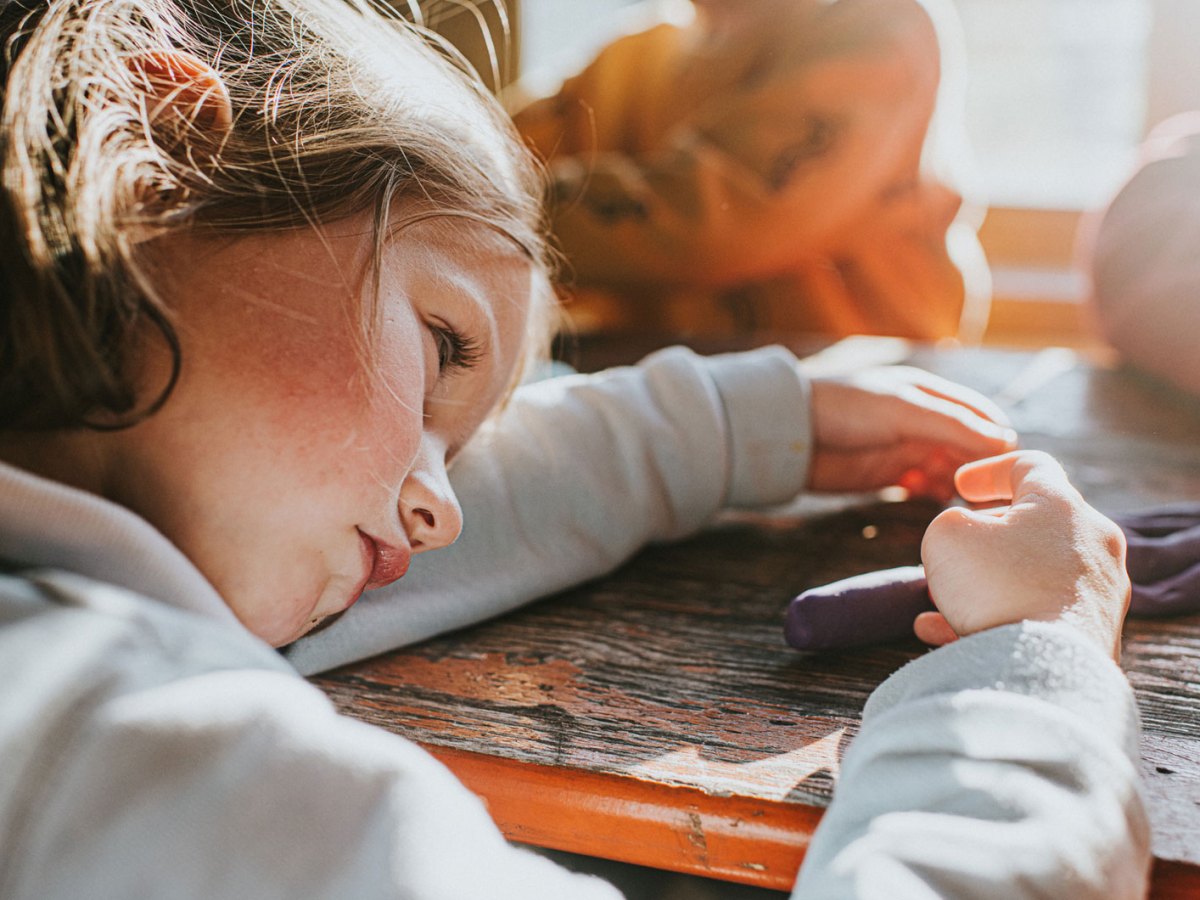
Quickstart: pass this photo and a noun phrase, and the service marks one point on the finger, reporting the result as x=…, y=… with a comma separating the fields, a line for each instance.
x=931, y=481
x=940, y=469
x=865, y=470
x=982, y=406
x=951, y=527
x=932, y=628
x=934, y=476
x=1012, y=477
x=931, y=418
x=915, y=482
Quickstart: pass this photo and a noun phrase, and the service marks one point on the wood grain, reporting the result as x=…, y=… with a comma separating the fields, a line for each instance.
x=656, y=716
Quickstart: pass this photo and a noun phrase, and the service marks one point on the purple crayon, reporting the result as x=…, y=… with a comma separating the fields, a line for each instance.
x=877, y=607
x=872, y=608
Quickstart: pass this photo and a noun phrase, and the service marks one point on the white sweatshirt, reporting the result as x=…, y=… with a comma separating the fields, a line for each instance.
x=151, y=747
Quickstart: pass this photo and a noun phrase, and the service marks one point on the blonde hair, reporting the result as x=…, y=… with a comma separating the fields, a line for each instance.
x=338, y=109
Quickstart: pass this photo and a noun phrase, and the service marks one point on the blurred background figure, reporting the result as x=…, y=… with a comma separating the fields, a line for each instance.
x=706, y=145
x=1144, y=258
x=767, y=164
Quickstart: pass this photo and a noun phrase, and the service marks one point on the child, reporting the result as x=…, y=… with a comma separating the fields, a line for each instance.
x=768, y=164
x=267, y=267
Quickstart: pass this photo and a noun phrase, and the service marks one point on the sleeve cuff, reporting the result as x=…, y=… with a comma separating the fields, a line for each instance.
x=1047, y=660
x=767, y=404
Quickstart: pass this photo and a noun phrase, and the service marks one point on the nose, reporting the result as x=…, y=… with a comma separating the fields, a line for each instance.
x=429, y=509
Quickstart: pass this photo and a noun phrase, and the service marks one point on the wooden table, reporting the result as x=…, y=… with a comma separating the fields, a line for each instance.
x=657, y=717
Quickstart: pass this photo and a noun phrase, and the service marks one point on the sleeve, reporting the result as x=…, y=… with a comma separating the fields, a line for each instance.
x=151, y=753
x=824, y=131
x=1001, y=766
x=579, y=474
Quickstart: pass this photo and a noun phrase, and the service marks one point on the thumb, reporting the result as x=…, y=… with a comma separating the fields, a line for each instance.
x=1012, y=476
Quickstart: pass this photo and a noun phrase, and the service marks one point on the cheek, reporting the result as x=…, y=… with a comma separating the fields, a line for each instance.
x=393, y=379
x=341, y=409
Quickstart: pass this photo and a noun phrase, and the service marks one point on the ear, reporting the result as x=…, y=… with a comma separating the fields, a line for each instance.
x=183, y=92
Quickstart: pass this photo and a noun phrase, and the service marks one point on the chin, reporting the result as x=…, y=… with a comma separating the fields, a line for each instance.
x=276, y=633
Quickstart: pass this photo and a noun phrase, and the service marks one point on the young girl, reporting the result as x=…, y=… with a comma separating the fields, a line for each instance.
x=267, y=267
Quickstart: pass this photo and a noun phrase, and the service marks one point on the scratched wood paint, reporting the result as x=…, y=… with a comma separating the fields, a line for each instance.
x=655, y=715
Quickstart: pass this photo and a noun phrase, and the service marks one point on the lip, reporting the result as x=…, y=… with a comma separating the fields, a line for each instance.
x=384, y=562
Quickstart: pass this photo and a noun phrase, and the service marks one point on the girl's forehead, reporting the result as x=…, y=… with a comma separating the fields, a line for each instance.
x=463, y=256
x=472, y=279
x=447, y=269
x=457, y=249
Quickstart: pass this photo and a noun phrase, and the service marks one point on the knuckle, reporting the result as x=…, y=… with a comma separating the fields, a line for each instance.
x=1061, y=504
x=953, y=518
x=1054, y=508
x=1028, y=460
x=1112, y=538
x=947, y=527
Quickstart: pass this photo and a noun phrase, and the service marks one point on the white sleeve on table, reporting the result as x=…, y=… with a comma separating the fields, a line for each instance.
x=1001, y=766
x=579, y=474
x=149, y=753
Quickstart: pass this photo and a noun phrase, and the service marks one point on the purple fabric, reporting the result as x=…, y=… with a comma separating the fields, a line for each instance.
x=1163, y=559
x=876, y=607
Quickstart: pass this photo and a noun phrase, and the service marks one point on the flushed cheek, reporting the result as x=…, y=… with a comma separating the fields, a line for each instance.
x=393, y=418
x=333, y=448
x=343, y=425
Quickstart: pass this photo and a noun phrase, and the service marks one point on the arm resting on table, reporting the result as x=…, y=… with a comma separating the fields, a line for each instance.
x=1000, y=766
x=578, y=475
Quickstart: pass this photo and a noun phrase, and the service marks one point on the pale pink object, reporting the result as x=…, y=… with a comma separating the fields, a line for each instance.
x=1144, y=256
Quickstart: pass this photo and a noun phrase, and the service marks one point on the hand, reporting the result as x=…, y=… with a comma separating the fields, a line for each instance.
x=900, y=425
x=1048, y=556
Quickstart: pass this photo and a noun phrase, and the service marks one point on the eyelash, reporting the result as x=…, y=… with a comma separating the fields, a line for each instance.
x=456, y=352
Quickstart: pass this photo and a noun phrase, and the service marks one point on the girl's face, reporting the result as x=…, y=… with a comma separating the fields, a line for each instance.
x=296, y=464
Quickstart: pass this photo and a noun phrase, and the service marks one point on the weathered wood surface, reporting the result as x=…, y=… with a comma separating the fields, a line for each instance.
x=656, y=715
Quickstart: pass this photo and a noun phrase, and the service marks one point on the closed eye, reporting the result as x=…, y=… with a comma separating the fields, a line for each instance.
x=456, y=352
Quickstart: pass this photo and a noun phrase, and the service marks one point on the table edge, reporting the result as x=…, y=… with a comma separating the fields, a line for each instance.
x=750, y=841
x=624, y=818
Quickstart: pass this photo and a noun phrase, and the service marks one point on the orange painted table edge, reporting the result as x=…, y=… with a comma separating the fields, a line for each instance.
x=642, y=822
x=663, y=826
